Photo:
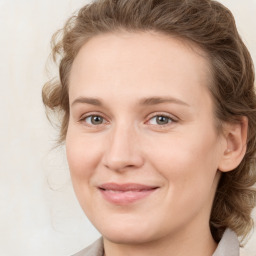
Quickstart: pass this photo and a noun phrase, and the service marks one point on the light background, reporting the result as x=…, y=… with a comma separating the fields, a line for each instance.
x=39, y=214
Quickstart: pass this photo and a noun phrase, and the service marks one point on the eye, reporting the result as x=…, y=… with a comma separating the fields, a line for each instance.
x=160, y=120
x=94, y=120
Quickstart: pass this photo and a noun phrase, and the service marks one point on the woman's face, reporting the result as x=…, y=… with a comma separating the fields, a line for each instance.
x=142, y=146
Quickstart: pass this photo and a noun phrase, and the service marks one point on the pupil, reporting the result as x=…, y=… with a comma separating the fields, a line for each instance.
x=97, y=120
x=162, y=120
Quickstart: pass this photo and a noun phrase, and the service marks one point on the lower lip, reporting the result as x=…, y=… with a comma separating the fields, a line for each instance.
x=125, y=197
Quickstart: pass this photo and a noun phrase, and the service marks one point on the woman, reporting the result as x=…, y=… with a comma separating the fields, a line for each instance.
x=159, y=117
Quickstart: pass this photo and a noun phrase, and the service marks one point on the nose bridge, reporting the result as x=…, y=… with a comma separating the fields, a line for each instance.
x=123, y=150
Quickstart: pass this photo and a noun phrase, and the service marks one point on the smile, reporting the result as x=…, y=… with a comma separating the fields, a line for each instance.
x=128, y=193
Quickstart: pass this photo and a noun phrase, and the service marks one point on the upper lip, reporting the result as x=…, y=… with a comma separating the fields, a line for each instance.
x=126, y=187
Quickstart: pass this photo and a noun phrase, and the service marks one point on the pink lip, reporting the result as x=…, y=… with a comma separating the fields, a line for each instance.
x=125, y=193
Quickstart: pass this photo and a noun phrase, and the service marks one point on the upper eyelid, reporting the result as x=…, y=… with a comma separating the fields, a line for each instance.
x=93, y=114
x=162, y=114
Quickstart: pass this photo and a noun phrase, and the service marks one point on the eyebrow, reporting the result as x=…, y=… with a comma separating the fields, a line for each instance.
x=144, y=101
x=159, y=100
x=91, y=101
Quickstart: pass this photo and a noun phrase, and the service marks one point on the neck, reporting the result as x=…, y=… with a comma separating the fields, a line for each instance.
x=198, y=243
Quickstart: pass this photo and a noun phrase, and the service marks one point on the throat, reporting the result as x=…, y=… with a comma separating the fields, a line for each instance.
x=164, y=247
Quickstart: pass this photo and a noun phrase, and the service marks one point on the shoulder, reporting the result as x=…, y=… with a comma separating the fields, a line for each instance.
x=244, y=252
x=95, y=249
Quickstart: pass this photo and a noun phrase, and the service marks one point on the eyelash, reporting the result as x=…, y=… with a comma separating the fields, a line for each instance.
x=170, y=118
x=90, y=115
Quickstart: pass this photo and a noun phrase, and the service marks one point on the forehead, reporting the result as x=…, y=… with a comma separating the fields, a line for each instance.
x=148, y=62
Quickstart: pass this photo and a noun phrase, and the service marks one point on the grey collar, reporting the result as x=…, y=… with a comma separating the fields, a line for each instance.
x=95, y=249
x=228, y=245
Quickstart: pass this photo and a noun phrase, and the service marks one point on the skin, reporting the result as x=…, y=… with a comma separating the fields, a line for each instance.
x=127, y=143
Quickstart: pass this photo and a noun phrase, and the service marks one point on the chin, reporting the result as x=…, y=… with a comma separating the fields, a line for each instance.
x=127, y=234
x=128, y=239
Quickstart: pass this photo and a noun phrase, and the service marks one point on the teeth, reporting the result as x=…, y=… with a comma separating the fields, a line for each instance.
x=114, y=191
x=117, y=191
x=124, y=191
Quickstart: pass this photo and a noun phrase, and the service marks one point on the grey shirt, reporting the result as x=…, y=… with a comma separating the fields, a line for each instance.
x=228, y=246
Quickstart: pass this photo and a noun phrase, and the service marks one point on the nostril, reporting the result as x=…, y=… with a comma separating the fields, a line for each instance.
x=120, y=157
x=120, y=166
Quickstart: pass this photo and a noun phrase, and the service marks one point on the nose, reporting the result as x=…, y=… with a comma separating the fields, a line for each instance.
x=123, y=151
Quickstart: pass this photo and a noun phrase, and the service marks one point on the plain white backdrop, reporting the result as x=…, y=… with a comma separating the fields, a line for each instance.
x=39, y=214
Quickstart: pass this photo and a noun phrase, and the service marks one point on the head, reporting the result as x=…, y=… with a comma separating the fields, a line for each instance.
x=200, y=28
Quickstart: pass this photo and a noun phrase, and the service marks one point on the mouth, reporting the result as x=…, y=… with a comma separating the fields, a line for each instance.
x=128, y=193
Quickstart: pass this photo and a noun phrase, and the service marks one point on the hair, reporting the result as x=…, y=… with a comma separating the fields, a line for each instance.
x=206, y=24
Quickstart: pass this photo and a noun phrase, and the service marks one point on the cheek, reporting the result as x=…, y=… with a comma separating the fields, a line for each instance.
x=82, y=155
x=190, y=170
x=189, y=162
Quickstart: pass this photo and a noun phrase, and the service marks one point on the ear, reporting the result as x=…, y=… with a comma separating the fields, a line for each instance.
x=235, y=135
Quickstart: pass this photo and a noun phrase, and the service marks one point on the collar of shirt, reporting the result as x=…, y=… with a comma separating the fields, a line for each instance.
x=228, y=245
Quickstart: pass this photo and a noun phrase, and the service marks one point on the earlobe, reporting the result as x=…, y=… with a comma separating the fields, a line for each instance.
x=235, y=135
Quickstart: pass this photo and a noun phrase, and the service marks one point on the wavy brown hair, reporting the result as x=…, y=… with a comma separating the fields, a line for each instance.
x=210, y=26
